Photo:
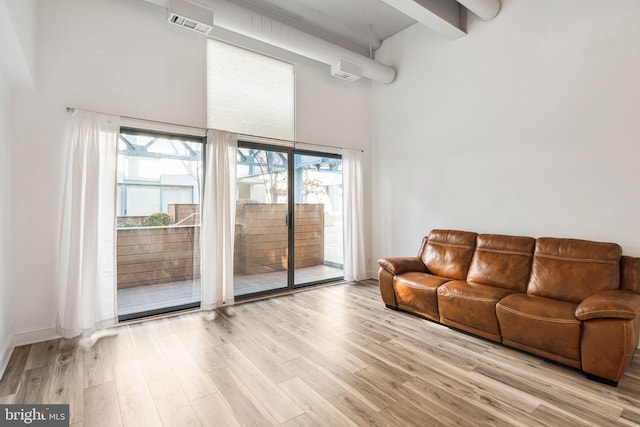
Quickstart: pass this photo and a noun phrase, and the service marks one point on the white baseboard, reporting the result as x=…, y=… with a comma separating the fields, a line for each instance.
x=28, y=336
x=5, y=355
x=34, y=335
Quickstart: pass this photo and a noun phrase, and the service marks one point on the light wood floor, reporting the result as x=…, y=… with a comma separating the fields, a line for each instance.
x=333, y=356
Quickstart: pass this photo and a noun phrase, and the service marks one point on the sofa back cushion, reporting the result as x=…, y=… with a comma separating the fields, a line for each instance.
x=448, y=253
x=571, y=270
x=630, y=274
x=502, y=261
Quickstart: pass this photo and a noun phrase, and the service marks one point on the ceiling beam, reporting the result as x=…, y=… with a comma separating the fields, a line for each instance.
x=441, y=16
x=484, y=9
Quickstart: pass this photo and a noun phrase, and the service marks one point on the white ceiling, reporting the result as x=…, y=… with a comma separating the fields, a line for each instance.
x=352, y=24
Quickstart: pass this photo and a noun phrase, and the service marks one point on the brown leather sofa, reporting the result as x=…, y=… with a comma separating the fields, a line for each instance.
x=576, y=302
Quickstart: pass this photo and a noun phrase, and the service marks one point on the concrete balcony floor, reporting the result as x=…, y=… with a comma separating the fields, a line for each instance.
x=152, y=297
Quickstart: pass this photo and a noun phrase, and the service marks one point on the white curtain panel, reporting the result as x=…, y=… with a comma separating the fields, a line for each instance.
x=86, y=275
x=353, y=209
x=218, y=220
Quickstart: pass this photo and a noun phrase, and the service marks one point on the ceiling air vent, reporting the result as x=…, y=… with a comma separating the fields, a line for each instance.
x=190, y=24
x=191, y=16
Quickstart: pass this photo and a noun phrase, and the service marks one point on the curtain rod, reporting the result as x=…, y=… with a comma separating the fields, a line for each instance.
x=72, y=109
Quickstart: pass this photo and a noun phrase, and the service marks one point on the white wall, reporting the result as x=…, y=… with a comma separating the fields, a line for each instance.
x=17, y=20
x=17, y=29
x=5, y=227
x=120, y=57
x=529, y=125
x=23, y=13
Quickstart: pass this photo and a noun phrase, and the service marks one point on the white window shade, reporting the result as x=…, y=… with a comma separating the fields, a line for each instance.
x=249, y=93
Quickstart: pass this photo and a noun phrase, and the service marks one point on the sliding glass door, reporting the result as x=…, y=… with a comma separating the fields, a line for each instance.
x=159, y=182
x=317, y=218
x=288, y=230
x=261, y=249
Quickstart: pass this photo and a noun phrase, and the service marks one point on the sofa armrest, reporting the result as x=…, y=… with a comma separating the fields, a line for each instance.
x=616, y=304
x=402, y=265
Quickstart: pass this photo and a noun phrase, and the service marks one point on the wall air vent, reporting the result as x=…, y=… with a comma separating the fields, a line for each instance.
x=190, y=24
x=189, y=15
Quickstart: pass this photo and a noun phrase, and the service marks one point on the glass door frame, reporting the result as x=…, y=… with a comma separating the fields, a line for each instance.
x=290, y=153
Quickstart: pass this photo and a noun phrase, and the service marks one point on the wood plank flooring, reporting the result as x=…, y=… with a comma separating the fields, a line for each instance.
x=332, y=356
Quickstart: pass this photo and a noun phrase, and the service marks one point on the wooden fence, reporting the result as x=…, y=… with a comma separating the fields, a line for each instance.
x=184, y=213
x=261, y=244
x=155, y=255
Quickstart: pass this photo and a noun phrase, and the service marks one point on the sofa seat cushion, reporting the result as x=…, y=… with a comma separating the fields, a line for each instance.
x=541, y=326
x=417, y=292
x=471, y=307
